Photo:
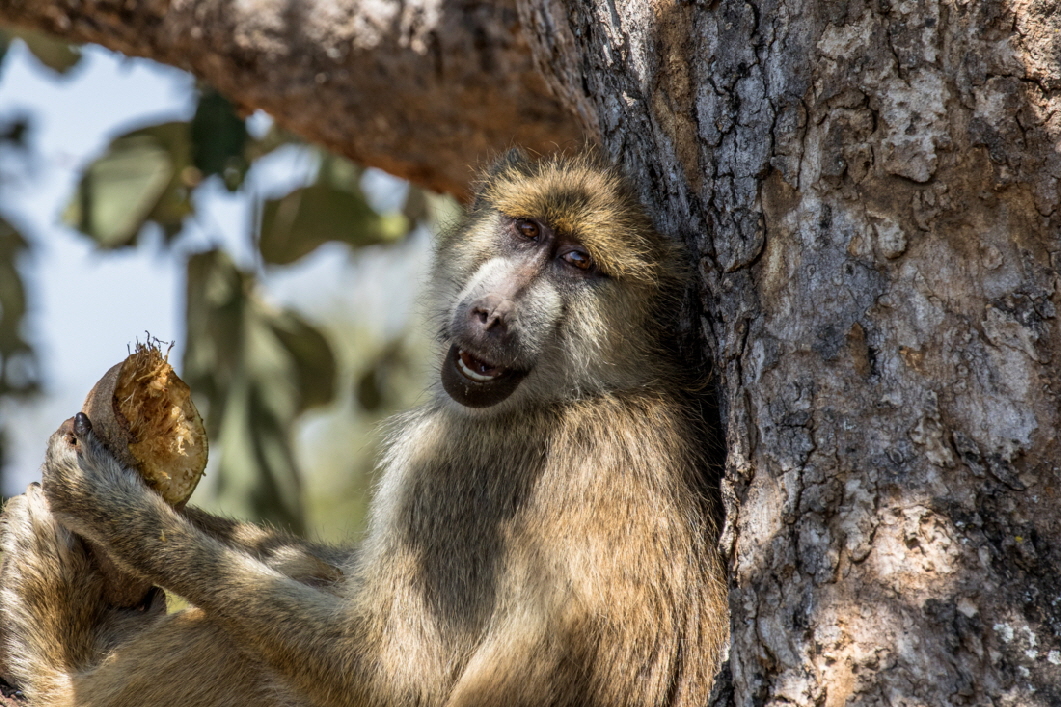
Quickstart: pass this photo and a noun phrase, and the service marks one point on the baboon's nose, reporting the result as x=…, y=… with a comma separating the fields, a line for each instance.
x=491, y=314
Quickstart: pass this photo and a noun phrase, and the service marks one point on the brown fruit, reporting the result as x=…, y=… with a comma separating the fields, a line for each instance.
x=144, y=415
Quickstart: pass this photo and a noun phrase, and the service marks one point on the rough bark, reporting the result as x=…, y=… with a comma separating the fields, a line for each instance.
x=425, y=89
x=872, y=189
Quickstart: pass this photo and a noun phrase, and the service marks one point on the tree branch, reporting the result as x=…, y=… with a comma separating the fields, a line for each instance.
x=425, y=89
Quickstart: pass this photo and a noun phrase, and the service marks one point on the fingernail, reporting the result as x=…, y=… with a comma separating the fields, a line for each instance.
x=82, y=425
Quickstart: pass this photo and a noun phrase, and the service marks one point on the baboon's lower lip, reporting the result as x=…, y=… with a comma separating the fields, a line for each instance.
x=475, y=382
x=476, y=369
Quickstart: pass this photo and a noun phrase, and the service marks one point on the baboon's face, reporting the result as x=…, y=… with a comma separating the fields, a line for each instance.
x=510, y=310
x=536, y=306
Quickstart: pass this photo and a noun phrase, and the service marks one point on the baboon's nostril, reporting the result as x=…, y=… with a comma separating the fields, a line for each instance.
x=489, y=313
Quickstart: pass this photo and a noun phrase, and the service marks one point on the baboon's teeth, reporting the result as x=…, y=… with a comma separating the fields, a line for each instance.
x=486, y=372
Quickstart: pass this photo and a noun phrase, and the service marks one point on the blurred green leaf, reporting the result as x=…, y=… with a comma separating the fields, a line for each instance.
x=219, y=139
x=369, y=390
x=340, y=173
x=258, y=369
x=375, y=388
x=145, y=175
x=57, y=55
x=299, y=222
x=119, y=191
x=316, y=365
x=18, y=364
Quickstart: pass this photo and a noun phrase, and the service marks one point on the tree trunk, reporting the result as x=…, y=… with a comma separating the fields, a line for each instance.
x=872, y=191
x=424, y=89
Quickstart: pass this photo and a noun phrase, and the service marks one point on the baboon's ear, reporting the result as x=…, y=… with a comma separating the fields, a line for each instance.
x=513, y=159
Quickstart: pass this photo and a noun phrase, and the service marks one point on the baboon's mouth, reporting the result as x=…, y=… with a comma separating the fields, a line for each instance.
x=476, y=369
x=475, y=382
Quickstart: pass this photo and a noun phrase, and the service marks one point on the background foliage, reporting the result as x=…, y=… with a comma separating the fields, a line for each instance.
x=255, y=368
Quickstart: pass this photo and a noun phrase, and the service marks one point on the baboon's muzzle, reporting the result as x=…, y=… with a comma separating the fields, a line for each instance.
x=476, y=383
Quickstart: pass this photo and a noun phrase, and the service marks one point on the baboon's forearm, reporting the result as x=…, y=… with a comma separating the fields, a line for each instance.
x=290, y=623
x=303, y=631
x=299, y=559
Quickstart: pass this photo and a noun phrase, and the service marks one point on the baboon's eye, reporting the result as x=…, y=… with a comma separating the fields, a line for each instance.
x=528, y=229
x=578, y=258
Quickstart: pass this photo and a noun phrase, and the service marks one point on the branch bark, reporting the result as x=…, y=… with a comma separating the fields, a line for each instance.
x=872, y=189
x=424, y=89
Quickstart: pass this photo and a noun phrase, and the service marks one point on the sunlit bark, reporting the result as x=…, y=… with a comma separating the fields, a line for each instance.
x=425, y=89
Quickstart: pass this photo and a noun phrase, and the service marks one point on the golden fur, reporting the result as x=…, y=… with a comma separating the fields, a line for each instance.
x=551, y=547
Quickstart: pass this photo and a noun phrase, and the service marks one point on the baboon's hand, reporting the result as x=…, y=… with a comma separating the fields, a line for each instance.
x=85, y=486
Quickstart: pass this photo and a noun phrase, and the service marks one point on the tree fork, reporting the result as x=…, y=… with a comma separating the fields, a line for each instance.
x=425, y=89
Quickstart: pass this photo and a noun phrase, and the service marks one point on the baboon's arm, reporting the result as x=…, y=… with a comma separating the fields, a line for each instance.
x=312, y=563
x=303, y=631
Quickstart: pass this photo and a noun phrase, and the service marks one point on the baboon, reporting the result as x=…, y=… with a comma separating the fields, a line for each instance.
x=541, y=534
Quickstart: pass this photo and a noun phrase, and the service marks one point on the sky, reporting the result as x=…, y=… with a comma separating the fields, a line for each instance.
x=86, y=308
